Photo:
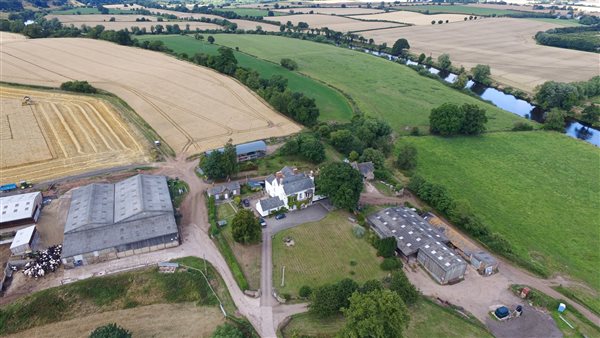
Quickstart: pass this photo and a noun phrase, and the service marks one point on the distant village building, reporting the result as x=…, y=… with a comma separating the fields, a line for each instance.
x=107, y=221
x=366, y=169
x=416, y=238
x=248, y=151
x=224, y=191
x=287, y=188
x=20, y=211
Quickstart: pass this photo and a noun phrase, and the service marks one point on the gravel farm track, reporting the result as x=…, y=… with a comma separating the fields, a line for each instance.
x=192, y=108
x=60, y=134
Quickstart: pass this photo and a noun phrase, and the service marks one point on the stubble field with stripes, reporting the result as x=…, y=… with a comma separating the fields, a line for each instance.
x=57, y=135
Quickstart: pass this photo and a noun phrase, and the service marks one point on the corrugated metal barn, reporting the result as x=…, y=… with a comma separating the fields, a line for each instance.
x=107, y=221
x=416, y=238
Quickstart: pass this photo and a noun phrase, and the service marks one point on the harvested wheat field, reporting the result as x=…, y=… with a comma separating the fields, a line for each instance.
x=118, y=25
x=58, y=135
x=413, y=18
x=506, y=45
x=251, y=25
x=192, y=108
x=331, y=10
x=158, y=320
x=122, y=6
x=333, y=22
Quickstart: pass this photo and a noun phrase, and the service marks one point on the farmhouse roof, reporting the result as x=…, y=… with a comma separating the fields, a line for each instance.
x=112, y=215
x=298, y=185
x=270, y=203
x=17, y=207
x=411, y=231
x=219, y=189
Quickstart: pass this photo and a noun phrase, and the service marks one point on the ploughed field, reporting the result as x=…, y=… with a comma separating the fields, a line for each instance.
x=506, y=45
x=192, y=108
x=60, y=134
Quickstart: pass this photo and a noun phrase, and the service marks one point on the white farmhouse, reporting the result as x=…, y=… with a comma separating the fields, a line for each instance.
x=287, y=189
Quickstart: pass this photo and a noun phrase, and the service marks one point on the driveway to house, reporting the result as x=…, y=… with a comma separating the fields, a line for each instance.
x=313, y=213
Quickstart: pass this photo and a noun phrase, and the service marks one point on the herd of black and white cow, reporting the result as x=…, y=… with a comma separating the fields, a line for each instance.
x=45, y=261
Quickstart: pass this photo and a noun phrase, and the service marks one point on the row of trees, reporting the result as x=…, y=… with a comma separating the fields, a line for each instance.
x=78, y=86
x=566, y=95
x=307, y=146
x=583, y=38
x=274, y=90
x=220, y=164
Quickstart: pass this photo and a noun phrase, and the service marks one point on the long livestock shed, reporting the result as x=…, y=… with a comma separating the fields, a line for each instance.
x=107, y=221
x=415, y=237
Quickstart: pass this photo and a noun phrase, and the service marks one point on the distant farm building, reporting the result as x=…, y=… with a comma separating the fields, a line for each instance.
x=224, y=191
x=416, y=238
x=20, y=211
x=248, y=151
x=107, y=221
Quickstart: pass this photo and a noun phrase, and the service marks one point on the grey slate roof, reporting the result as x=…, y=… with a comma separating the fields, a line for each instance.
x=364, y=168
x=413, y=234
x=485, y=257
x=298, y=185
x=411, y=231
x=270, y=203
x=219, y=189
x=102, y=216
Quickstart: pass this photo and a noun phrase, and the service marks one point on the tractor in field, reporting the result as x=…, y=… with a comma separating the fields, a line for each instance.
x=26, y=101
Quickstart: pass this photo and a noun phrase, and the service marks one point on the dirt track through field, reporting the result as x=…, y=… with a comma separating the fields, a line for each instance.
x=61, y=134
x=192, y=108
x=506, y=45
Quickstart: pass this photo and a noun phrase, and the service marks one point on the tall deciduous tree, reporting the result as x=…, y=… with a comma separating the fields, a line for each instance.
x=245, y=227
x=474, y=119
x=341, y=183
x=400, y=284
x=444, y=61
x=446, y=119
x=555, y=120
x=377, y=314
x=407, y=156
x=221, y=164
x=481, y=73
x=399, y=46
x=111, y=330
x=590, y=114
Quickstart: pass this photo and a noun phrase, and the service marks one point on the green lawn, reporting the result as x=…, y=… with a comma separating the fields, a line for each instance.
x=380, y=88
x=566, y=23
x=323, y=253
x=86, y=10
x=250, y=11
x=540, y=190
x=332, y=104
x=427, y=320
x=225, y=211
x=458, y=9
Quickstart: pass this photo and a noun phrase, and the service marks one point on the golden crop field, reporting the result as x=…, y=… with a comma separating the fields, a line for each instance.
x=192, y=108
x=251, y=25
x=118, y=25
x=74, y=18
x=506, y=45
x=58, y=135
x=413, y=17
x=333, y=22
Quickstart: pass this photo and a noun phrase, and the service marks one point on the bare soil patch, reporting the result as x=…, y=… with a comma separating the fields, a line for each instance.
x=333, y=22
x=413, y=17
x=60, y=134
x=192, y=108
x=506, y=45
x=158, y=320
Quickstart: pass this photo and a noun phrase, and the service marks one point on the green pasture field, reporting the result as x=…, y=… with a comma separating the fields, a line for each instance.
x=540, y=190
x=332, y=104
x=379, y=87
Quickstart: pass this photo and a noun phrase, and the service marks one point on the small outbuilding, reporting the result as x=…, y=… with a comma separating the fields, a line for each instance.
x=366, y=169
x=484, y=263
x=21, y=244
x=224, y=191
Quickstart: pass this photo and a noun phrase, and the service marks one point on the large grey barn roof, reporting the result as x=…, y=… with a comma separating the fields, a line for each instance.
x=246, y=148
x=441, y=255
x=106, y=215
x=411, y=231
